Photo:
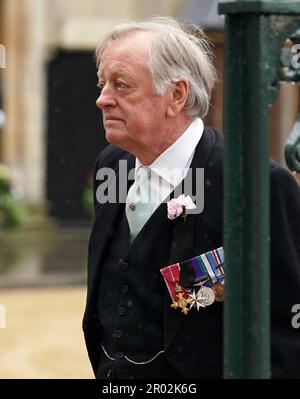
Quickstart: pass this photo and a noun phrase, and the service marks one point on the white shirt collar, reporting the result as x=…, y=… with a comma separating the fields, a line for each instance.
x=178, y=156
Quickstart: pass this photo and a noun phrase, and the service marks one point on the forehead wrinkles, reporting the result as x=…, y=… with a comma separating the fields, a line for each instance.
x=114, y=69
x=124, y=63
x=111, y=69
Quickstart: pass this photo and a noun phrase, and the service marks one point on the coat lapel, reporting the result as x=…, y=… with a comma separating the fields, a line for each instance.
x=103, y=231
x=183, y=244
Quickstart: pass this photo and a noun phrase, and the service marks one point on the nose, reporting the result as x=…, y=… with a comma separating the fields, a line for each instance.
x=106, y=98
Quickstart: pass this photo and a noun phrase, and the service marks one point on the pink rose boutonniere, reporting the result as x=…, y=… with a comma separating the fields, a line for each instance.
x=178, y=206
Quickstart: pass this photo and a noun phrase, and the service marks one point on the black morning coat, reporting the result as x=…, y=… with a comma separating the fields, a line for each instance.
x=193, y=342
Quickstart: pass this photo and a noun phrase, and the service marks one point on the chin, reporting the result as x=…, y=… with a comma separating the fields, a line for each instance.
x=112, y=136
x=116, y=138
x=122, y=141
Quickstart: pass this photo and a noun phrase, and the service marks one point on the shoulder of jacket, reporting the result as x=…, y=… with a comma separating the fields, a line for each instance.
x=217, y=151
x=110, y=156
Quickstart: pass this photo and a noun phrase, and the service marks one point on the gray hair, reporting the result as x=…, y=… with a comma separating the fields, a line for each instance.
x=177, y=51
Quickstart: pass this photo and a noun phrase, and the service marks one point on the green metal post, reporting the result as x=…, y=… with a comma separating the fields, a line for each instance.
x=254, y=34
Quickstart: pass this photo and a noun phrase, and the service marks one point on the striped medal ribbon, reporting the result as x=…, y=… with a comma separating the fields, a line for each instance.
x=180, y=296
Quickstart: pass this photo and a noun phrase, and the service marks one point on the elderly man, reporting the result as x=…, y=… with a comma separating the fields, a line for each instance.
x=155, y=81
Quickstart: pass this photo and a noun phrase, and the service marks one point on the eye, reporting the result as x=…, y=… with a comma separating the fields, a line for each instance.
x=100, y=86
x=121, y=85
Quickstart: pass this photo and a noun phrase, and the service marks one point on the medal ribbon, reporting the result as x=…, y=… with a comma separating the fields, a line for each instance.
x=210, y=265
x=171, y=276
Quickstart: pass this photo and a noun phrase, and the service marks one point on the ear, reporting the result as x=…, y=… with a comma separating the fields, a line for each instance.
x=179, y=93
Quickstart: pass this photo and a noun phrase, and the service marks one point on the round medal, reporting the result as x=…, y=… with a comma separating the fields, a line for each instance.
x=218, y=289
x=206, y=296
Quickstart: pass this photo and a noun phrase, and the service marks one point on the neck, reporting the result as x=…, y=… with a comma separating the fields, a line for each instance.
x=168, y=138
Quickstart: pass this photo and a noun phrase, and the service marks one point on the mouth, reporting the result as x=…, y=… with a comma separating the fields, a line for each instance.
x=110, y=119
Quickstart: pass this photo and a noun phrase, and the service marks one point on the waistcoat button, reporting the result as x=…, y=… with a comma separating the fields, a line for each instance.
x=119, y=334
x=125, y=289
x=125, y=266
x=122, y=310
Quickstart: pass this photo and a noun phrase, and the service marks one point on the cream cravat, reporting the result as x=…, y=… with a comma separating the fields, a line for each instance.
x=138, y=204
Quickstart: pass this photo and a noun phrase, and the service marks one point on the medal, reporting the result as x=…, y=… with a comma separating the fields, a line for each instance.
x=182, y=303
x=204, y=297
x=196, y=301
x=219, y=292
x=179, y=295
x=197, y=282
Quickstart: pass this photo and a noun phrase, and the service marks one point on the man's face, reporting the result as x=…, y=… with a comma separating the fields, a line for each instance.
x=133, y=117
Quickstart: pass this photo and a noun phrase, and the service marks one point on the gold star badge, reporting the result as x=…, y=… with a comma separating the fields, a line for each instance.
x=182, y=303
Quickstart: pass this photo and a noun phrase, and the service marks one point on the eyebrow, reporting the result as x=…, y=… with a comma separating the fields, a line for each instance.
x=120, y=73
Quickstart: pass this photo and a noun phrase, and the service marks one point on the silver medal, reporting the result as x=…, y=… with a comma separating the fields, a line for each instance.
x=205, y=296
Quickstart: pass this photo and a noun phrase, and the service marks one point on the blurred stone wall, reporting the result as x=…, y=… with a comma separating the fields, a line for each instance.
x=32, y=31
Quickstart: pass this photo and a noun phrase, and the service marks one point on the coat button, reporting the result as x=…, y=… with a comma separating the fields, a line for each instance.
x=119, y=355
x=125, y=266
x=122, y=311
x=125, y=289
x=119, y=334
